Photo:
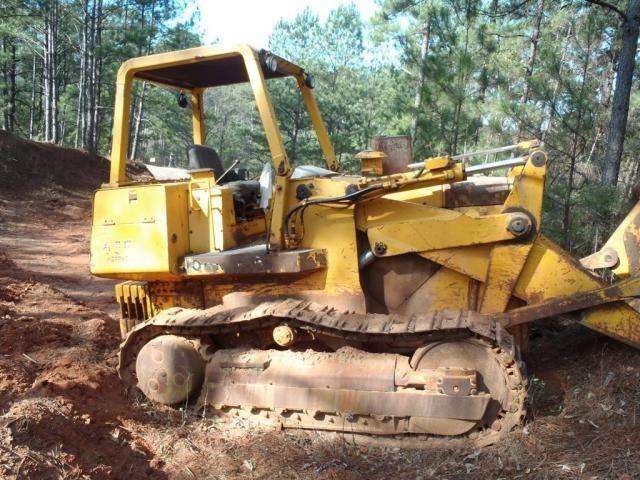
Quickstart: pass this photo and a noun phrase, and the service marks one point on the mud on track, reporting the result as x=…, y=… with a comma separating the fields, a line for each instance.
x=65, y=414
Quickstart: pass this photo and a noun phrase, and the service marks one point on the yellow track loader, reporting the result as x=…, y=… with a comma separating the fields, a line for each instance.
x=394, y=303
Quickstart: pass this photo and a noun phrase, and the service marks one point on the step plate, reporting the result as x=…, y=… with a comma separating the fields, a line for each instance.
x=256, y=260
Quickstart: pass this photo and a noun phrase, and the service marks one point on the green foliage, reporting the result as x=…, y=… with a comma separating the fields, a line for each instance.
x=483, y=87
x=481, y=72
x=123, y=30
x=303, y=40
x=354, y=95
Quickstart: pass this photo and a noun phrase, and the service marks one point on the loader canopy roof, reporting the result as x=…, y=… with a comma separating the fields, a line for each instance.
x=197, y=69
x=205, y=67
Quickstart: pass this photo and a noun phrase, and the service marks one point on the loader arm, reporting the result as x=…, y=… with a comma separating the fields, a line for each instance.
x=518, y=263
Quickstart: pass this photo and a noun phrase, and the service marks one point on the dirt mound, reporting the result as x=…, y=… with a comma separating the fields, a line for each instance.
x=26, y=165
x=30, y=165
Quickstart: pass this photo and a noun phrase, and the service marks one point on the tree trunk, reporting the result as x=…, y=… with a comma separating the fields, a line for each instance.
x=9, y=71
x=417, y=102
x=55, y=134
x=13, y=90
x=533, y=52
x=136, y=128
x=32, y=104
x=98, y=84
x=63, y=124
x=87, y=141
x=97, y=79
x=620, y=106
x=92, y=78
x=46, y=80
x=82, y=83
x=5, y=83
x=49, y=91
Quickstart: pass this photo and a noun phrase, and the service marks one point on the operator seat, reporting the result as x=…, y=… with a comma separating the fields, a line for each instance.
x=246, y=193
x=201, y=156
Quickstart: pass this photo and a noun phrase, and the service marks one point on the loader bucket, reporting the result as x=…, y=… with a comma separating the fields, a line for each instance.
x=617, y=320
x=552, y=273
x=621, y=320
x=625, y=242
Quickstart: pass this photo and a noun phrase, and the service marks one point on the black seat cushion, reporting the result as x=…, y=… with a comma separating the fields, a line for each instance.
x=246, y=193
x=201, y=156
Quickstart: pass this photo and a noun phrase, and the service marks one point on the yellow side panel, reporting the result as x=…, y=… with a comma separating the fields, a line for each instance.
x=129, y=248
x=139, y=232
x=333, y=229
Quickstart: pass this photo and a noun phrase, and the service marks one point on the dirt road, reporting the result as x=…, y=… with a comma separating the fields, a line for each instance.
x=65, y=414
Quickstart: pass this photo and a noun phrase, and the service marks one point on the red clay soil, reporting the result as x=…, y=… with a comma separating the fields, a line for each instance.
x=65, y=414
x=26, y=165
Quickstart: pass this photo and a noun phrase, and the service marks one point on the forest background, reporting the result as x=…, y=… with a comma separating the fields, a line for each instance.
x=456, y=75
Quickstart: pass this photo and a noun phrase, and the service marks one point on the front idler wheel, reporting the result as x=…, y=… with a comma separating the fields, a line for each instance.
x=169, y=369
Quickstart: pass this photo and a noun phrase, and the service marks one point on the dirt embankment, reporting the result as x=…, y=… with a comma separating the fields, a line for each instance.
x=27, y=166
x=65, y=414
x=63, y=406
